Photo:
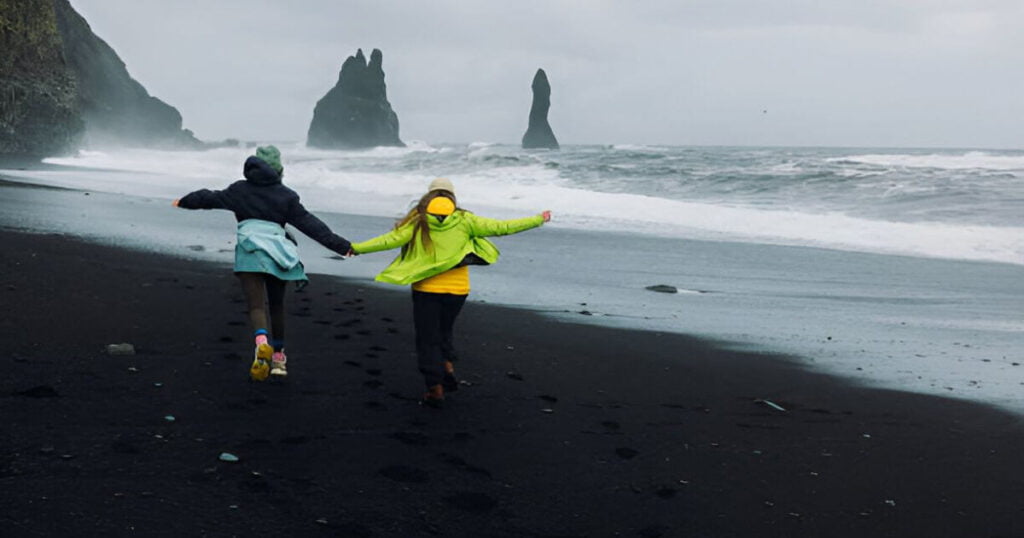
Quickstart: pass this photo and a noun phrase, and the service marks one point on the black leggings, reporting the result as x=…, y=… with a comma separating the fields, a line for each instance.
x=263, y=290
x=434, y=316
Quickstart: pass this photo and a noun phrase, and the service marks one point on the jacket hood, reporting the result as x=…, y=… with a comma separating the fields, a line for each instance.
x=451, y=221
x=258, y=172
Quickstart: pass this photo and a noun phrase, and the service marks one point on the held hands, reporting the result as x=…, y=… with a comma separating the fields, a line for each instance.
x=547, y=215
x=175, y=202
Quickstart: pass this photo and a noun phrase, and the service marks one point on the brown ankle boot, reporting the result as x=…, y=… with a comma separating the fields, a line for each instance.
x=449, y=381
x=434, y=397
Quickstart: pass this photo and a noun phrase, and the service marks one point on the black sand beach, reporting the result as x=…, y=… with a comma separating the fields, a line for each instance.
x=565, y=430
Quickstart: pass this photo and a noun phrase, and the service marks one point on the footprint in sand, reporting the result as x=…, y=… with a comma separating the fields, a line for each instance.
x=341, y=336
x=404, y=473
x=665, y=493
x=387, y=320
x=357, y=364
x=370, y=355
x=378, y=348
x=457, y=461
x=392, y=330
x=322, y=322
x=412, y=438
x=373, y=384
x=626, y=453
x=654, y=531
x=226, y=339
x=471, y=501
x=124, y=447
x=41, y=391
x=548, y=398
x=363, y=333
x=373, y=371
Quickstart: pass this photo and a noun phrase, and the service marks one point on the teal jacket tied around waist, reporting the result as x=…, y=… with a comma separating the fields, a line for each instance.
x=263, y=247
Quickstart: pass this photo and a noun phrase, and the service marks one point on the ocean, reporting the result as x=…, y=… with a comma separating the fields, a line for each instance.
x=900, y=268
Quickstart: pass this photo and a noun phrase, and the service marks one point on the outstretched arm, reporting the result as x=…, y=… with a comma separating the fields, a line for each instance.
x=393, y=239
x=202, y=199
x=315, y=228
x=483, y=226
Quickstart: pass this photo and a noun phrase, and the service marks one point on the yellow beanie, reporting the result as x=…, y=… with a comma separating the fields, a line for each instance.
x=441, y=206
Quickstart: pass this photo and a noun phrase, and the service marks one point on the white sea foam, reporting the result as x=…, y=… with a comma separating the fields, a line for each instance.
x=967, y=161
x=384, y=181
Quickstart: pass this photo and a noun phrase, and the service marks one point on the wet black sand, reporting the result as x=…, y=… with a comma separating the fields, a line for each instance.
x=565, y=430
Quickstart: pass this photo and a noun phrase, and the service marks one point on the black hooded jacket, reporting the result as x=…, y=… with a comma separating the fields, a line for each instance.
x=261, y=195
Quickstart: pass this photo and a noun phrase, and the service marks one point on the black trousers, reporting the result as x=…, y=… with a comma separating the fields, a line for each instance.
x=434, y=316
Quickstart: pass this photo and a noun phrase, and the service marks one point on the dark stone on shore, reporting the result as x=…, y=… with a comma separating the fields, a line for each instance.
x=663, y=288
x=539, y=133
x=356, y=113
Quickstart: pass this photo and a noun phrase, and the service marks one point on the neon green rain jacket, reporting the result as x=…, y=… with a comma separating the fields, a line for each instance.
x=459, y=235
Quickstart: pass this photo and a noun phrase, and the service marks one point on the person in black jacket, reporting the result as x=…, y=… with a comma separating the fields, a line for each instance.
x=265, y=255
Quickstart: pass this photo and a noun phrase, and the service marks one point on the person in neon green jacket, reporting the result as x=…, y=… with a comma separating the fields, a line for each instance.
x=439, y=242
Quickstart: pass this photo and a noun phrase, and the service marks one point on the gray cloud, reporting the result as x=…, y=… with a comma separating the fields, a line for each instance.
x=846, y=72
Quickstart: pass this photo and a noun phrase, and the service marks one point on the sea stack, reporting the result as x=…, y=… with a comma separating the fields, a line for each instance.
x=355, y=113
x=538, y=133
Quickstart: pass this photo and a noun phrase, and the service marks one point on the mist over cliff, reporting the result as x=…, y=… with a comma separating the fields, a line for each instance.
x=62, y=87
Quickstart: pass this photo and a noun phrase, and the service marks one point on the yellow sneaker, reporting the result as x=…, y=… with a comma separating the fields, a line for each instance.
x=260, y=368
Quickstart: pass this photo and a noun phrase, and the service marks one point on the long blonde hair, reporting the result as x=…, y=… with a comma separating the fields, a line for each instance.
x=418, y=214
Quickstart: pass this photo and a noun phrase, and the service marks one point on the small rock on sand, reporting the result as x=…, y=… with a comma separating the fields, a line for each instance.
x=662, y=288
x=120, y=349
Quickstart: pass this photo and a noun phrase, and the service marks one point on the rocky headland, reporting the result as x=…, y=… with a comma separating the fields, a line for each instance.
x=63, y=87
x=39, y=112
x=539, y=133
x=356, y=113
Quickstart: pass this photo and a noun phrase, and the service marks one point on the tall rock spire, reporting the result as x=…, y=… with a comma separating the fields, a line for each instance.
x=538, y=133
x=356, y=113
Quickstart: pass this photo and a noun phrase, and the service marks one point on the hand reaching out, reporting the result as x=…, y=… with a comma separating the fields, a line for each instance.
x=547, y=215
x=175, y=202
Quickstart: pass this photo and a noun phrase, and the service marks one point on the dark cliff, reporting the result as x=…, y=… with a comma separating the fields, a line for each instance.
x=539, y=133
x=39, y=113
x=61, y=86
x=116, y=109
x=356, y=113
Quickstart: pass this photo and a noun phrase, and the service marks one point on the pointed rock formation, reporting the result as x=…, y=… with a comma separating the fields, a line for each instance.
x=355, y=113
x=117, y=110
x=538, y=133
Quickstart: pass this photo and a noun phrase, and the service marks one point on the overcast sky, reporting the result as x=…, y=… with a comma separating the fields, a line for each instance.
x=715, y=72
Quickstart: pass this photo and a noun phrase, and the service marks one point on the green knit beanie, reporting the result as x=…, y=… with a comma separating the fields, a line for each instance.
x=271, y=156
